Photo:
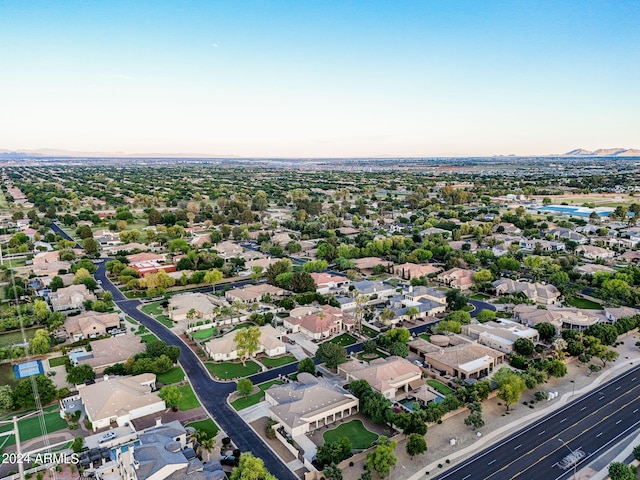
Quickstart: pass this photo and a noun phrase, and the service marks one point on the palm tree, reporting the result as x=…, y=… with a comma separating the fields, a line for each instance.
x=206, y=445
x=237, y=306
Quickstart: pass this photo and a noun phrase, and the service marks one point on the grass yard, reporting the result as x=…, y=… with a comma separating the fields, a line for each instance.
x=30, y=427
x=166, y=321
x=153, y=308
x=277, y=362
x=229, y=370
x=479, y=296
x=425, y=336
x=378, y=354
x=7, y=376
x=503, y=315
x=242, y=403
x=58, y=361
x=149, y=337
x=360, y=437
x=207, y=425
x=440, y=387
x=369, y=332
x=343, y=340
x=205, y=333
x=188, y=400
x=175, y=375
x=583, y=303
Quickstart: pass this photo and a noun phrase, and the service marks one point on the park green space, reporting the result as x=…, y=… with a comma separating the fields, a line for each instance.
x=229, y=370
x=277, y=362
x=360, y=437
x=245, y=402
x=440, y=387
x=30, y=428
x=208, y=426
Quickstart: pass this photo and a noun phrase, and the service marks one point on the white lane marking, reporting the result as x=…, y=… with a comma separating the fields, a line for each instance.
x=618, y=422
x=583, y=409
x=563, y=420
x=635, y=410
x=598, y=434
x=618, y=389
x=542, y=432
x=492, y=461
x=465, y=478
x=515, y=448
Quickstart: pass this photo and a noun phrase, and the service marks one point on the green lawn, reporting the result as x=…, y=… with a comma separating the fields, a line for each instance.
x=583, y=303
x=188, y=400
x=369, y=332
x=503, y=315
x=149, y=337
x=343, y=340
x=425, y=336
x=207, y=425
x=30, y=427
x=440, y=387
x=229, y=370
x=479, y=296
x=166, y=321
x=153, y=308
x=360, y=437
x=242, y=403
x=206, y=333
x=378, y=354
x=58, y=361
x=277, y=362
x=175, y=375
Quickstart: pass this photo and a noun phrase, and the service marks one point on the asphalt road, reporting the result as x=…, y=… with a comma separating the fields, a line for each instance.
x=213, y=395
x=591, y=424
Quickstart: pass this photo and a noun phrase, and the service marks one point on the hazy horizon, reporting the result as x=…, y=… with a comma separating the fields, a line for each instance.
x=320, y=79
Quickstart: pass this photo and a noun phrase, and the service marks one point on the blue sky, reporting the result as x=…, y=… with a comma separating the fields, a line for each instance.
x=320, y=78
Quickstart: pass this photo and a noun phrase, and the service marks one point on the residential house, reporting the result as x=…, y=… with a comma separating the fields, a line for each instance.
x=568, y=234
x=613, y=314
x=119, y=400
x=48, y=263
x=457, y=357
x=537, y=292
x=70, y=298
x=390, y=376
x=328, y=283
x=199, y=241
x=631, y=256
x=319, y=322
x=507, y=228
x=90, y=325
x=591, y=268
x=413, y=270
x=111, y=350
x=369, y=288
x=308, y=404
x=225, y=348
x=165, y=451
x=228, y=249
x=459, y=278
x=253, y=293
x=367, y=264
x=563, y=318
x=499, y=335
x=200, y=304
x=592, y=252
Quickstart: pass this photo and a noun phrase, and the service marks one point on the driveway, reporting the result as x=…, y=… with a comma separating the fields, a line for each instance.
x=304, y=342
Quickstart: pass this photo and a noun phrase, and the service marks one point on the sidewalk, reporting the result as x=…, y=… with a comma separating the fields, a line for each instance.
x=497, y=424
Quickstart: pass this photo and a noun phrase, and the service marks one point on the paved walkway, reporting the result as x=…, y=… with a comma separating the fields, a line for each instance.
x=254, y=412
x=498, y=425
x=308, y=446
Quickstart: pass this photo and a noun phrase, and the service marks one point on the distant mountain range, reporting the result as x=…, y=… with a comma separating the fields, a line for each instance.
x=604, y=152
x=51, y=152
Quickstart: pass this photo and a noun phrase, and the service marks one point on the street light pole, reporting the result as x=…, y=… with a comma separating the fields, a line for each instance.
x=575, y=464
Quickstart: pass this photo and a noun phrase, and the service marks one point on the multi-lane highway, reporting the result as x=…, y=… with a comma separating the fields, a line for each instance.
x=592, y=423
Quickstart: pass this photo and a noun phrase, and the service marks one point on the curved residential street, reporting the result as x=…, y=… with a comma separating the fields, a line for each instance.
x=212, y=394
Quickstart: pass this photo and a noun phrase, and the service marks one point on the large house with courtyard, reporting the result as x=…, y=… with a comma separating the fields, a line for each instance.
x=390, y=376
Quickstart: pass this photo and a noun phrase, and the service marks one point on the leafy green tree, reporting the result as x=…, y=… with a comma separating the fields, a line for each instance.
x=606, y=333
x=486, y=315
x=523, y=346
x=251, y=468
x=510, y=386
x=302, y=282
x=247, y=342
x=331, y=354
x=307, y=365
x=245, y=387
x=556, y=368
x=399, y=349
x=416, y=445
x=456, y=300
x=382, y=458
x=334, y=452
x=474, y=420
x=171, y=395
x=621, y=471
x=6, y=397
x=369, y=346
x=275, y=269
x=79, y=374
x=546, y=330
x=212, y=277
x=459, y=316
x=23, y=396
x=40, y=343
x=446, y=326
x=332, y=472
x=56, y=283
x=315, y=266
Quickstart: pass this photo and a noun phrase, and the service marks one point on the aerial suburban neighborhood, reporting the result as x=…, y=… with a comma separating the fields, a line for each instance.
x=223, y=317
